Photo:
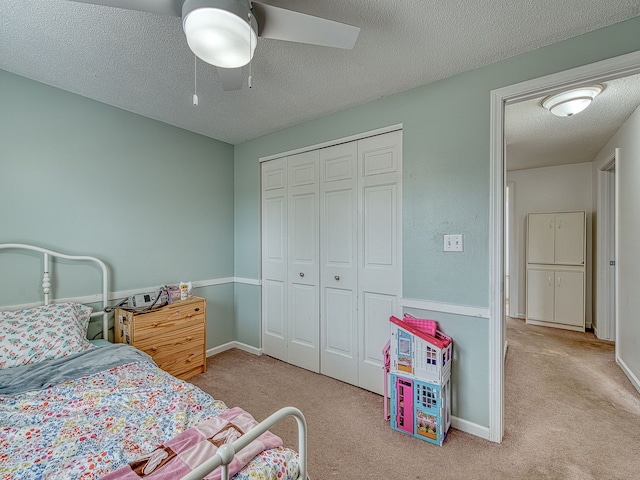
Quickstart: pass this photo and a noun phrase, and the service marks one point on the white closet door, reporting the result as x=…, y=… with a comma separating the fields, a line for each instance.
x=339, y=266
x=303, y=270
x=569, y=238
x=274, y=258
x=379, y=271
x=541, y=234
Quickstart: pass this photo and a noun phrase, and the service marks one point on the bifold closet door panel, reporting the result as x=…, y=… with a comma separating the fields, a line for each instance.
x=338, y=267
x=303, y=293
x=274, y=259
x=380, y=260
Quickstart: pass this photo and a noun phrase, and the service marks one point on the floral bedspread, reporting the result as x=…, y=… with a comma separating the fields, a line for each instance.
x=90, y=426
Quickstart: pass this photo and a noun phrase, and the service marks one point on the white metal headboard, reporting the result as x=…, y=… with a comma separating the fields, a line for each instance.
x=46, y=279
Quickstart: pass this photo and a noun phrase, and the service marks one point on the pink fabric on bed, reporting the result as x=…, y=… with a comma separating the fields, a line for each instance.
x=186, y=451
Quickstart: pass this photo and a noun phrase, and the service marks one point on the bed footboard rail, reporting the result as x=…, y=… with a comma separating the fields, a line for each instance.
x=226, y=452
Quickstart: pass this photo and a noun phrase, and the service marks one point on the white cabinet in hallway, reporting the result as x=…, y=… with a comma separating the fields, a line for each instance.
x=556, y=238
x=331, y=257
x=556, y=280
x=555, y=296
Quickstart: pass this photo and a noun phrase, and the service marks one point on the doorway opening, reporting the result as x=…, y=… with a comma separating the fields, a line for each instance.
x=618, y=67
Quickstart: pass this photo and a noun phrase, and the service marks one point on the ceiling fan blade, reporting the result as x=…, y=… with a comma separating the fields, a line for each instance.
x=161, y=7
x=231, y=78
x=282, y=24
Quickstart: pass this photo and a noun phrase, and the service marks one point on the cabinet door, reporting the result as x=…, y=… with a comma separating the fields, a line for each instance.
x=339, y=266
x=569, y=238
x=540, y=238
x=274, y=258
x=303, y=305
x=540, y=294
x=569, y=298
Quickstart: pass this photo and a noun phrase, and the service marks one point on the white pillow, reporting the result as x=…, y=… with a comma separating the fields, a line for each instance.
x=43, y=333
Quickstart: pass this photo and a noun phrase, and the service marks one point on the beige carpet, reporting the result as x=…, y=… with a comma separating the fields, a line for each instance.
x=570, y=414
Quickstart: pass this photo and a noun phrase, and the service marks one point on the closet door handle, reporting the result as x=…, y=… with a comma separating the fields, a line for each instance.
x=550, y=280
x=301, y=274
x=337, y=277
x=559, y=280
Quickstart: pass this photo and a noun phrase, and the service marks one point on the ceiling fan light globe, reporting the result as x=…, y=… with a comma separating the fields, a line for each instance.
x=219, y=37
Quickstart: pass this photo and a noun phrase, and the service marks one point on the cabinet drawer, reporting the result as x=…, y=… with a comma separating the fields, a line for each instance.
x=171, y=313
x=181, y=361
x=156, y=325
x=172, y=341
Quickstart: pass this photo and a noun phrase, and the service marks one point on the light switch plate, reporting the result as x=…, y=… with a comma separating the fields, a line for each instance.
x=453, y=243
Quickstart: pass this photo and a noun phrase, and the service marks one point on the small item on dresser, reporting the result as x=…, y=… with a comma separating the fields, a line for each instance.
x=173, y=292
x=185, y=290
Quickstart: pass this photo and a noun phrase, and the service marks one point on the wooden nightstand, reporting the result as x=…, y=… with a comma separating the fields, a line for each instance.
x=174, y=336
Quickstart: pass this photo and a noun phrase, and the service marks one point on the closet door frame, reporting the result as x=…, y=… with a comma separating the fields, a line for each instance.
x=357, y=137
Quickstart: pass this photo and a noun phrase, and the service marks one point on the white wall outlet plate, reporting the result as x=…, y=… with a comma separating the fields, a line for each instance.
x=453, y=243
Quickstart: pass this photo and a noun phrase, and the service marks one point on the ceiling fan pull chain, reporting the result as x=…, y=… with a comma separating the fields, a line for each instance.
x=195, y=80
x=250, y=79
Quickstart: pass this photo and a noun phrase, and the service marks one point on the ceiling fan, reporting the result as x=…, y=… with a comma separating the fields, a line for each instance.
x=224, y=33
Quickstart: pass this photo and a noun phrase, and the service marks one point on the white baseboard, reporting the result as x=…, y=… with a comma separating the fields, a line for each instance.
x=228, y=346
x=630, y=375
x=469, y=427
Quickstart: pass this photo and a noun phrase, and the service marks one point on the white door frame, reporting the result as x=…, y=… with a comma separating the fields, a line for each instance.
x=605, y=301
x=514, y=262
x=616, y=67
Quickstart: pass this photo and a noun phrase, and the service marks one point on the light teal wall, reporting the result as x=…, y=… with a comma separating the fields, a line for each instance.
x=445, y=189
x=153, y=201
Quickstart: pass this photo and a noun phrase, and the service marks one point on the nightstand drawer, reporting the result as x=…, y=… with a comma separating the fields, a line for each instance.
x=154, y=327
x=170, y=342
x=182, y=361
x=176, y=311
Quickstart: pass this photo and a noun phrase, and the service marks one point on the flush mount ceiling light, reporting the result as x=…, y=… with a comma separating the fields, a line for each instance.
x=574, y=101
x=222, y=33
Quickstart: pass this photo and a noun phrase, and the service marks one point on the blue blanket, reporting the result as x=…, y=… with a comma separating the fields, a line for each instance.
x=51, y=372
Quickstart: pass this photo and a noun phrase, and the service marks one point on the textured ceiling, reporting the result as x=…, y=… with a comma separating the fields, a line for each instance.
x=141, y=62
x=536, y=138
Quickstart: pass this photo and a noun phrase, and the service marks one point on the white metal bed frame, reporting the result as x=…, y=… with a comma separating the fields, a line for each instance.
x=224, y=455
x=46, y=278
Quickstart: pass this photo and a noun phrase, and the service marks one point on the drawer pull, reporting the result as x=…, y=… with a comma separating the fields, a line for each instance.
x=197, y=309
x=155, y=324
x=188, y=360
